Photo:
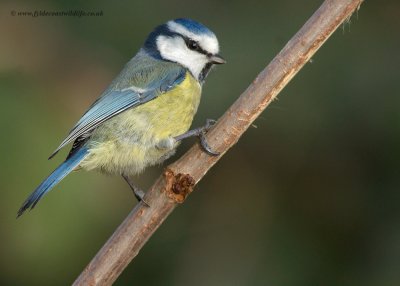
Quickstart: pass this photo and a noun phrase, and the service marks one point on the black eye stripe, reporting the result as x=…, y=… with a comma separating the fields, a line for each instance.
x=194, y=46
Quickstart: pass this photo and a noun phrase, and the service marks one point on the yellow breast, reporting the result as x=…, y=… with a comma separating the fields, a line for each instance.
x=127, y=143
x=172, y=113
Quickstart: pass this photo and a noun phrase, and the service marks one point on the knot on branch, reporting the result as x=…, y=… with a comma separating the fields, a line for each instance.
x=178, y=186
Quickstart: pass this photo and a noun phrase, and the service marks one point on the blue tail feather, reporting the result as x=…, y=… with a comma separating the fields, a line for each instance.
x=53, y=179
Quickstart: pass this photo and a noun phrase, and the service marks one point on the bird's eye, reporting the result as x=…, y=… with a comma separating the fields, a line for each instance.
x=193, y=45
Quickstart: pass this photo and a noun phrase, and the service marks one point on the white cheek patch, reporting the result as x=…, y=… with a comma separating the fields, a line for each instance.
x=175, y=50
x=208, y=42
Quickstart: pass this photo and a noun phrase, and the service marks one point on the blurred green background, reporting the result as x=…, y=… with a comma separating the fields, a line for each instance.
x=309, y=197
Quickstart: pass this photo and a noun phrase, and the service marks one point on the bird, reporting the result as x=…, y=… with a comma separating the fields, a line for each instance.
x=146, y=111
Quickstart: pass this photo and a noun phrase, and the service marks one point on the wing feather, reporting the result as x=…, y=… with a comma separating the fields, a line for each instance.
x=114, y=101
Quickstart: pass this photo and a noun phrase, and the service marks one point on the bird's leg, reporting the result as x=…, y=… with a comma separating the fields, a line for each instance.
x=200, y=133
x=139, y=194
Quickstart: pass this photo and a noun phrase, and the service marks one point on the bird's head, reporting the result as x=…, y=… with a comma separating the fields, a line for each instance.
x=187, y=43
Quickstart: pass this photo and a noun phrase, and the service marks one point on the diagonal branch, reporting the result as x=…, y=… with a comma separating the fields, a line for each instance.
x=180, y=177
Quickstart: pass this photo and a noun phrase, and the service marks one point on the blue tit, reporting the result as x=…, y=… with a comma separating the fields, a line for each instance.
x=146, y=111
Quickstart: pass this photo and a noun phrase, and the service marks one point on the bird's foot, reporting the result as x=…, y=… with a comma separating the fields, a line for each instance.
x=200, y=132
x=137, y=192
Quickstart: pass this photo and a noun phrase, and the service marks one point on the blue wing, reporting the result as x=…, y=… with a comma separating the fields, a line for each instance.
x=124, y=94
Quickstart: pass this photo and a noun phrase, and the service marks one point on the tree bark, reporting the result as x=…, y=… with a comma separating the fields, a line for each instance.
x=178, y=179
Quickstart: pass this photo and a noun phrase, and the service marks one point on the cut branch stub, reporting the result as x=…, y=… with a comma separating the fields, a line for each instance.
x=177, y=186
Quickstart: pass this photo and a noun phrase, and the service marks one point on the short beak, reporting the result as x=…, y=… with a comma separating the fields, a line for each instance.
x=217, y=59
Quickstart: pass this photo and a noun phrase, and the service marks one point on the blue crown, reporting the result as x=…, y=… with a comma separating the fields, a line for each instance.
x=194, y=26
